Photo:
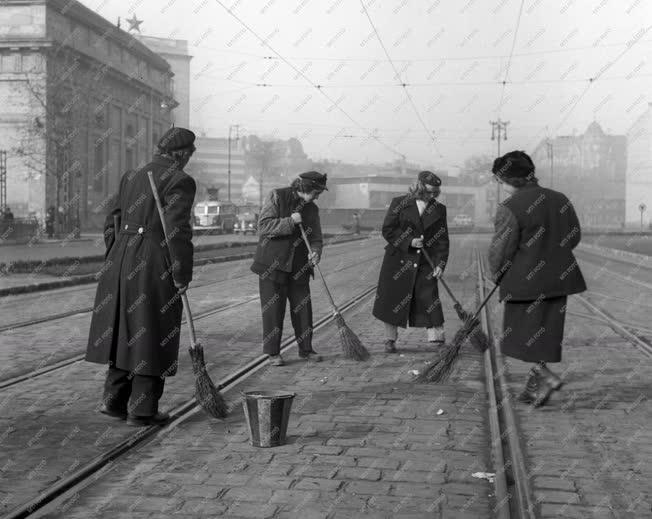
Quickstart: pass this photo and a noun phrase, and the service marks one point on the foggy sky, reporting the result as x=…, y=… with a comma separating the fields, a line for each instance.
x=452, y=55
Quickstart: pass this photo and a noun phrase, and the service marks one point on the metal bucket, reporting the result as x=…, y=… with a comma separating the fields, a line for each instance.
x=267, y=414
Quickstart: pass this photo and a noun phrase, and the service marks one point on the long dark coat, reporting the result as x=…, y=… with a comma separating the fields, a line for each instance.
x=137, y=313
x=401, y=262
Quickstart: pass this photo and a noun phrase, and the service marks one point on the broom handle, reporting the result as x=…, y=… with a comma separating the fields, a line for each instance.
x=444, y=284
x=184, y=298
x=330, y=297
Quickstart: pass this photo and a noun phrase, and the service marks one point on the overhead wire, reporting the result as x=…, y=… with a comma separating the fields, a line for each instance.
x=509, y=59
x=319, y=88
x=398, y=76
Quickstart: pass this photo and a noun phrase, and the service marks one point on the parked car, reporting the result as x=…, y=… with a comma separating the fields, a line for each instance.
x=463, y=220
x=247, y=222
x=215, y=216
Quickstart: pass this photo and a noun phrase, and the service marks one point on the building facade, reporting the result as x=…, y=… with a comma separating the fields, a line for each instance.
x=590, y=169
x=175, y=52
x=376, y=192
x=84, y=102
x=210, y=166
x=639, y=170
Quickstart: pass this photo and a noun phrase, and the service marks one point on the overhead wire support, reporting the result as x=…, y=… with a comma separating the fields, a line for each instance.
x=334, y=103
x=402, y=84
x=509, y=59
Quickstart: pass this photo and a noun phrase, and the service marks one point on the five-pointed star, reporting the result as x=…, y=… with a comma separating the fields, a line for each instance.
x=134, y=23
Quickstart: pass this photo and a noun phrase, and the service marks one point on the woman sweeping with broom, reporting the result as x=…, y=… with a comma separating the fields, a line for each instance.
x=407, y=287
x=531, y=256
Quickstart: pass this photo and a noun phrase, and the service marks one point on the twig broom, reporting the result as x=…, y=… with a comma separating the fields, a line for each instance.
x=351, y=345
x=442, y=366
x=206, y=393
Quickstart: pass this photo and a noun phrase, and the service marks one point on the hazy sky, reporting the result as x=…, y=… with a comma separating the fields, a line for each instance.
x=453, y=55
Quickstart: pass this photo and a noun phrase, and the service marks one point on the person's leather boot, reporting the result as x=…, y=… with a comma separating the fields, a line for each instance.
x=276, y=360
x=144, y=421
x=553, y=380
x=312, y=356
x=113, y=413
x=537, y=390
x=390, y=346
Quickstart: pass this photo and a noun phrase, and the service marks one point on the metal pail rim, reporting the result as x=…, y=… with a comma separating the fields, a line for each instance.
x=271, y=395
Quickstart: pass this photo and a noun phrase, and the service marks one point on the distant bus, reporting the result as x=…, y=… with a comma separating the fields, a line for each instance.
x=215, y=216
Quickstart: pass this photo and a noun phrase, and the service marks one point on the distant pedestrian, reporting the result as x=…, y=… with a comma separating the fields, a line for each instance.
x=531, y=256
x=407, y=287
x=356, y=223
x=8, y=216
x=137, y=312
x=284, y=265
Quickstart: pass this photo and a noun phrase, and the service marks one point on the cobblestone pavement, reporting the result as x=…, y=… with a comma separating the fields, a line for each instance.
x=49, y=425
x=29, y=348
x=588, y=449
x=363, y=441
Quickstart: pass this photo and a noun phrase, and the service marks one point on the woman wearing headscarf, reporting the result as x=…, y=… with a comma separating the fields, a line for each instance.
x=407, y=291
x=531, y=257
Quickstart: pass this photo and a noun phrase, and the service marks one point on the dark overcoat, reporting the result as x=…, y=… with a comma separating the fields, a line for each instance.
x=401, y=262
x=137, y=314
x=536, y=232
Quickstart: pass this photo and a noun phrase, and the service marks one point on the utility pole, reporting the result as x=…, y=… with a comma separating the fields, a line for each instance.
x=550, y=150
x=236, y=126
x=3, y=180
x=501, y=128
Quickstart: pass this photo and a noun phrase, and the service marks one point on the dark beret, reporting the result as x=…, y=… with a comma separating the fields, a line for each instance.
x=429, y=178
x=315, y=179
x=515, y=164
x=176, y=138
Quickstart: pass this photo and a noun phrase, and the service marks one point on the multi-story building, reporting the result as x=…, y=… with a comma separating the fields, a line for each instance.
x=590, y=169
x=210, y=166
x=639, y=170
x=175, y=52
x=83, y=101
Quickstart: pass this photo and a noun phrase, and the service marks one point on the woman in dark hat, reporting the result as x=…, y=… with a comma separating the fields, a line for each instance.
x=407, y=291
x=283, y=264
x=137, y=313
x=531, y=256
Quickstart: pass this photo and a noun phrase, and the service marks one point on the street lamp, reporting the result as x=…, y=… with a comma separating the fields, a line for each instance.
x=499, y=127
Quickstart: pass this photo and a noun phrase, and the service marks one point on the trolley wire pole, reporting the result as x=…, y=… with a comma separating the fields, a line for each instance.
x=231, y=127
x=499, y=127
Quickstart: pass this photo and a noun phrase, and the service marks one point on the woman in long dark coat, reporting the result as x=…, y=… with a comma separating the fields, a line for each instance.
x=137, y=314
x=531, y=256
x=407, y=291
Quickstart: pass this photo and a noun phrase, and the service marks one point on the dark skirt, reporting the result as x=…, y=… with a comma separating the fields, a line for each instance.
x=425, y=306
x=533, y=331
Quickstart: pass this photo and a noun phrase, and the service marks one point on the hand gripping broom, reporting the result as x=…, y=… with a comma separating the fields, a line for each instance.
x=351, y=345
x=205, y=391
x=442, y=366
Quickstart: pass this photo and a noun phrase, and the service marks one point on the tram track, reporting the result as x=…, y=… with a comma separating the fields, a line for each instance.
x=79, y=311
x=90, y=471
x=514, y=497
x=61, y=364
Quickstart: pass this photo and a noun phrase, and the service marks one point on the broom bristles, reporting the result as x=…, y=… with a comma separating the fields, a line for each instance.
x=442, y=366
x=207, y=394
x=351, y=344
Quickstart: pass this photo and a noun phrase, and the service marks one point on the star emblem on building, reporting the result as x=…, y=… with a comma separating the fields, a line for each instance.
x=134, y=23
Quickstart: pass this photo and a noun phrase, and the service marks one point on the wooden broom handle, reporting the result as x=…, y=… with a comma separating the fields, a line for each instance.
x=305, y=239
x=184, y=298
x=444, y=284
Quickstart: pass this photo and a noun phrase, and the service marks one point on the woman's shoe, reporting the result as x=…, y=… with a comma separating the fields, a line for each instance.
x=113, y=413
x=144, y=421
x=553, y=380
x=276, y=360
x=390, y=346
x=537, y=390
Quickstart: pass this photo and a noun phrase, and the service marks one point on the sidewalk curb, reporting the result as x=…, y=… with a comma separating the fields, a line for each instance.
x=92, y=278
x=622, y=255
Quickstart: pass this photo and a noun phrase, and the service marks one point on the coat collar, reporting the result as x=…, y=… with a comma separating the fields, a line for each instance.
x=431, y=213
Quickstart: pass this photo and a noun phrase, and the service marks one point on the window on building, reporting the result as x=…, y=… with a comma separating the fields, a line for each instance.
x=99, y=167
